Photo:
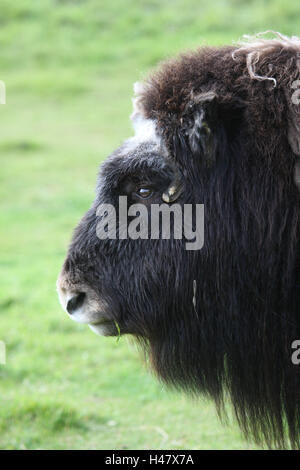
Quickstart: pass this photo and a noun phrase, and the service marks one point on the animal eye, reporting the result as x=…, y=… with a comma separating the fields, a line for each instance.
x=144, y=193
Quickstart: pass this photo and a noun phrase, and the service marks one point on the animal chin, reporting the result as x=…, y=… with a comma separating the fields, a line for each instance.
x=104, y=328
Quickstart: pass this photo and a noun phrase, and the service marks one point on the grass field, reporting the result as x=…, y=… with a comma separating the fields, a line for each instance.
x=69, y=68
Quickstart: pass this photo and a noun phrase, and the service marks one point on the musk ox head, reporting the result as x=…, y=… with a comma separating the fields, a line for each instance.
x=216, y=129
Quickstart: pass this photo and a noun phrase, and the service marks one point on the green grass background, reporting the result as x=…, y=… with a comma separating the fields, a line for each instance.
x=69, y=67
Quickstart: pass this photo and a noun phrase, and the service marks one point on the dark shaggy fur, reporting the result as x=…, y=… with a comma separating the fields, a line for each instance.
x=236, y=340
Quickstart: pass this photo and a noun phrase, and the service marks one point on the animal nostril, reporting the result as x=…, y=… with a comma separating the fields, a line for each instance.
x=75, y=302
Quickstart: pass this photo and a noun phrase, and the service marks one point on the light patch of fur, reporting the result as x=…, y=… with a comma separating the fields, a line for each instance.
x=257, y=47
x=145, y=132
x=138, y=89
x=145, y=129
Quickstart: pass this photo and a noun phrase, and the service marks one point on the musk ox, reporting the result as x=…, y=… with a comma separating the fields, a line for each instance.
x=218, y=127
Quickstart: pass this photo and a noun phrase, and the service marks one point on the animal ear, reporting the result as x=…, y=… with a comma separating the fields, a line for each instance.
x=200, y=115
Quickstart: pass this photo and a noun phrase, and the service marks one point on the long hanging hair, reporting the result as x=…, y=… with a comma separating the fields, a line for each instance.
x=230, y=124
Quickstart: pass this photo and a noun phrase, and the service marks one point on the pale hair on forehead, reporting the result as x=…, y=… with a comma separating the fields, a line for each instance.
x=257, y=47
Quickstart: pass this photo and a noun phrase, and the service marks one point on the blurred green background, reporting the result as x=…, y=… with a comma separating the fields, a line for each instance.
x=69, y=67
